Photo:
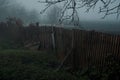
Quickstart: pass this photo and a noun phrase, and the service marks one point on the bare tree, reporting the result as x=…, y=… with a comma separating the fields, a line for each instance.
x=53, y=15
x=107, y=7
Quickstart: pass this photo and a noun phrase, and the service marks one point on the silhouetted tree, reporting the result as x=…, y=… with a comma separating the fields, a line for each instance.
x=53, y=15
x=107, y=7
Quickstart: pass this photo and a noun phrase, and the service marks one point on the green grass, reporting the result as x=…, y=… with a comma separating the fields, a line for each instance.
x=30, y=65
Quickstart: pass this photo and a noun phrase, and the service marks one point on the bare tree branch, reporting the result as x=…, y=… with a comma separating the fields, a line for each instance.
x=108, y=7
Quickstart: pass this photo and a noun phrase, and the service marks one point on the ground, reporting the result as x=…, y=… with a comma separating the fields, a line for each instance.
x=41, y=65
x=30, y=65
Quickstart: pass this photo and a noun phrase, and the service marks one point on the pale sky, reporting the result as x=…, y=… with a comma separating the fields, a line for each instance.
x=92, y=15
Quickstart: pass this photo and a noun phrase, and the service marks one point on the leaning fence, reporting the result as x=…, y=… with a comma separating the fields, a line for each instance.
x=81, y=48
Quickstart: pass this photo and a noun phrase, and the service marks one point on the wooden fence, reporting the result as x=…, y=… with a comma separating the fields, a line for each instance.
x=90, y=48
x=82, y=48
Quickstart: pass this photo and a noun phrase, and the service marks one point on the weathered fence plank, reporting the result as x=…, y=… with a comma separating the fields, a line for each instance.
x=86, y=48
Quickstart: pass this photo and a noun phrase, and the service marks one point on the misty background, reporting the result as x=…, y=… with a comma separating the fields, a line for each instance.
x=29, y=12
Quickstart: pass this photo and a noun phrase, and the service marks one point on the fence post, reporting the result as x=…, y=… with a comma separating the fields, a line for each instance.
x=53, y=39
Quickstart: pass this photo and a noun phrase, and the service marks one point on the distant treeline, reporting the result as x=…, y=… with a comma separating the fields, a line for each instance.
x=13, y=33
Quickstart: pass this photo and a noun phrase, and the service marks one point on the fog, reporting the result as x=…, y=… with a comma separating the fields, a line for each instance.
x=29, y=11
x=92, y=15
x=102, y=26
x=10, y=8
x=59, y=43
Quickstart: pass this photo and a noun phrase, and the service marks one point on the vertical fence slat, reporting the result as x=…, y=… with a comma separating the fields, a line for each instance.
x=92, y=47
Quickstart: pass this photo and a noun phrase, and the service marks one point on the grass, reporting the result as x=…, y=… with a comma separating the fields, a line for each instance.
x=30, y=65
x=41, y=65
